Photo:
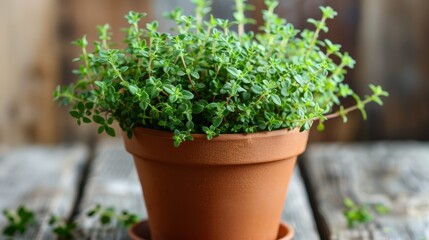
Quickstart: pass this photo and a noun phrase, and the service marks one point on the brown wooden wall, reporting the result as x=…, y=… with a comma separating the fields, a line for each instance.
x=29, y=71
x=389, y=38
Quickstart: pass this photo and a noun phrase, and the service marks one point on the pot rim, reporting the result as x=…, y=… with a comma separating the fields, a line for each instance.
x=227, y=149
x=222, y=137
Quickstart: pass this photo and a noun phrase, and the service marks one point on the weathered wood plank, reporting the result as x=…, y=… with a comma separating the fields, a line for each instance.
x=113, y=182
x=393, y=174
x=44, y=179
x=297, y=211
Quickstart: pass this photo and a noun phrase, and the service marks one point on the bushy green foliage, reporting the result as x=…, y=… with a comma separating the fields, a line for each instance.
x=209, y=78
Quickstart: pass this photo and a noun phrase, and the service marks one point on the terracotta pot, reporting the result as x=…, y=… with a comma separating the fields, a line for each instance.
x=141, y=231
x=232, y=187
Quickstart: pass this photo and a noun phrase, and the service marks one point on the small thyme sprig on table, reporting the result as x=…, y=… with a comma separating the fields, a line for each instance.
x=359, y=214
x=22, y=218
x=18, y=221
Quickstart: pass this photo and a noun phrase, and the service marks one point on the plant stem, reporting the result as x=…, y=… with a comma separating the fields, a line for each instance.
x=150, y=56
x=314, y=39
x=240, y=11
x=117, y=72
x=68, y=95
x=189, y=76
x=346, y=111
x=338, y=113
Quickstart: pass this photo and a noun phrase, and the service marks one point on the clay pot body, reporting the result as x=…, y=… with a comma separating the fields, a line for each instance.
x=232, y=187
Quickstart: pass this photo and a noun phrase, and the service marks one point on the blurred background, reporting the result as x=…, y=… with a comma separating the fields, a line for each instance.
x=388, y=38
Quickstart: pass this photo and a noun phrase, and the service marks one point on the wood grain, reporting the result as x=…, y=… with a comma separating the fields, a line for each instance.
x=393, y=174
x=393, y=52
x=297, y=211
x=44, y=179
x=113, y=182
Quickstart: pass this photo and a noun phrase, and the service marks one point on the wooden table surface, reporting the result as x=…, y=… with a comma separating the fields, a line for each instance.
x=69, y=180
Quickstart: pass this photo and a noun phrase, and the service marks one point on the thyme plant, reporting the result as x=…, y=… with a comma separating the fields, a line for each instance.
x=213, y=77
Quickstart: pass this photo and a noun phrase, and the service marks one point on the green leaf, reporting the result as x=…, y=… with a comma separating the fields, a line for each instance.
x=173, y=98
x=381, y=209
x=377, y=100
x=187, y=95
x=257, y=89
x=345, y=90
x=143, y=105
x=91, y=213
x=170, y=89
x=343, y=114
x=348, y=203
x=284, y=92
x=320, y=126
x=328, y=12
x=360, y=105
x=378, y=90
x=183, y=107
x=133, y=89
x=301, y=80
x=10, y=230
x=110, y=120
x=230, y=108
x=144, y=96
x=123, y=69
x=134, y=17
x=98, y=119
x=348, y=61
x=305, y=126
x=197, y=108
x=217, y=121
x=86, y=120
x=195, y=75
x=75, y=114
x=233, y=71
x=89, y=105
x=52, y=220
x=276, y=99
x=105, y=219
x=110, y=131
x=81, y=107
x=189, y=125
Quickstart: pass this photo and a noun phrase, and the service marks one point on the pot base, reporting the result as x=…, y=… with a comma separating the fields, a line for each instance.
x=141, y=231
